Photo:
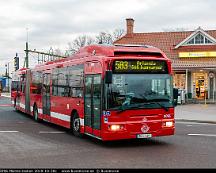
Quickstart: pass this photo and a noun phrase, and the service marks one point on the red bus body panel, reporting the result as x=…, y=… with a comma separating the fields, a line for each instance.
x=134, y=120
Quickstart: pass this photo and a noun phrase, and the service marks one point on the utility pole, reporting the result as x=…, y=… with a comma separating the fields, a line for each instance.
x=27, y=51
x=27, y=57
x=8, y=78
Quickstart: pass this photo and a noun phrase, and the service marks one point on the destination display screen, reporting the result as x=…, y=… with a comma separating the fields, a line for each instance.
x=140, y=66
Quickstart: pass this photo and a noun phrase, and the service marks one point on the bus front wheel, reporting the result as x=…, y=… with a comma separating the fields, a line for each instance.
x=75, y=125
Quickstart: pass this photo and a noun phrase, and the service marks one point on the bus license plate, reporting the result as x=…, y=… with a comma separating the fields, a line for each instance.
x=144, y=136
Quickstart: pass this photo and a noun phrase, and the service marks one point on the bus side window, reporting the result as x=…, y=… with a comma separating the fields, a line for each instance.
x=75, y=80
x=36, y=82
x=55, y=82
x=62, y=84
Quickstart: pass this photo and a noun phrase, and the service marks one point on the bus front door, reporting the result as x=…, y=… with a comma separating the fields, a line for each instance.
x=92, y=119
x=46, y=96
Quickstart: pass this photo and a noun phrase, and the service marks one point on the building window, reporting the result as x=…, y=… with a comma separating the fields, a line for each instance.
x=191, y=41
x=199, y=39
x=179, y=80
x=207, y=41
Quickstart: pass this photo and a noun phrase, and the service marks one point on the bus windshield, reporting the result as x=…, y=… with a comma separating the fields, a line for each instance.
x=134, y=91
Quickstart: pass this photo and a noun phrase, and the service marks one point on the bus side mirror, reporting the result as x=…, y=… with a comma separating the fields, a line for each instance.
x=175, y=96
x=108, y=77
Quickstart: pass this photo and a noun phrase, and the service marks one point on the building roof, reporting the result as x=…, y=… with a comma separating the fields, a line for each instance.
x=172, y=43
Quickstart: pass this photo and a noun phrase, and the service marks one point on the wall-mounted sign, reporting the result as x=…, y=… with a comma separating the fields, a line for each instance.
x=197, y=54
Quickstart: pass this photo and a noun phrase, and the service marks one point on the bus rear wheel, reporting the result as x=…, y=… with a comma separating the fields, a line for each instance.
x=75, y=125
x=35, y=114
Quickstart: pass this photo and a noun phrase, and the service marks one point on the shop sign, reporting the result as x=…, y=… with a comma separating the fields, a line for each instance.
x=197, y=54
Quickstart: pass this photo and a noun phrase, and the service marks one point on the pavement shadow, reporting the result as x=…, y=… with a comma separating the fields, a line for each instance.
x=127, y=143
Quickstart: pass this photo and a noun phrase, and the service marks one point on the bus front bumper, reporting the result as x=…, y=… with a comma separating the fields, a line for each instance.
x=119, y=135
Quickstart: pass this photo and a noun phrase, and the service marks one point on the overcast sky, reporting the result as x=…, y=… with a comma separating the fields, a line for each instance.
x=54, y=23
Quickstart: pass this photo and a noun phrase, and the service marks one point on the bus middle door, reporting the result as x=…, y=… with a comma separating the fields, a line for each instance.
x=92, y=105
x=46, y=96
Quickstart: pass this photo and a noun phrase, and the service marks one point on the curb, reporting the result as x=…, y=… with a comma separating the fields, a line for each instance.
x=197, y=121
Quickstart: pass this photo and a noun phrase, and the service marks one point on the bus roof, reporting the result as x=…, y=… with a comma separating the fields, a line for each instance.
x=118, y=48
x=107, y=51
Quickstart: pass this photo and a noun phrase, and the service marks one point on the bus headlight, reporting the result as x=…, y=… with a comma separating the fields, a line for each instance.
x=116, y=127
x=168, y=124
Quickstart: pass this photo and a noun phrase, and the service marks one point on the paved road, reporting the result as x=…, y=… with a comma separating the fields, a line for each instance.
x=27, y=144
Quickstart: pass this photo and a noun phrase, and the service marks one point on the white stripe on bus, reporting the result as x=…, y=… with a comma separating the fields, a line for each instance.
x=60, y=116
x=31, y=108
x=55, y=115
x=65, y=117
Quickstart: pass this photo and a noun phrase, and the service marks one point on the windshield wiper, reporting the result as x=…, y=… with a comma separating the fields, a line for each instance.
x=154, y=101
x=133, y=106
x=124, y=108
x=162, y=106
x=159, y=99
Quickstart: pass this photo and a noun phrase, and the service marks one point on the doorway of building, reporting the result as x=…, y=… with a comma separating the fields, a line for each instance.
x=200, y=86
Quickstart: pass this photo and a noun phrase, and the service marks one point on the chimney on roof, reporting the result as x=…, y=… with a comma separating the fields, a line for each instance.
x=130, y=26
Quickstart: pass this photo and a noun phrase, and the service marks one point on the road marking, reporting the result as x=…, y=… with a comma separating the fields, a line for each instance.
x=196, y=123
x=209, y=135
x=9, y=131
x=6, y=105
x=51, y=132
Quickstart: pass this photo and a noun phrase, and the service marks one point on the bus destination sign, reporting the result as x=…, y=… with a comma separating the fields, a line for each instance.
x=140, y=66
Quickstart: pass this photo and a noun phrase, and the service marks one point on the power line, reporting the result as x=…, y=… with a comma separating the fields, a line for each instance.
x=42, y=56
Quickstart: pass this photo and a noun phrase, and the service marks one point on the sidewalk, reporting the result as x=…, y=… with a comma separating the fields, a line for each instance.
x=205, y=113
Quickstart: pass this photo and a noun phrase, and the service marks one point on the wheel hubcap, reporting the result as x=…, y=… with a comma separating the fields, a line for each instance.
x=76, y=124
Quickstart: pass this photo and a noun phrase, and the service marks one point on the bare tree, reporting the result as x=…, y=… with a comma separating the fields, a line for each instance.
x=79, y=42
x=101, y=38
x=109, y=38
x=117, y=34
x=104, y=38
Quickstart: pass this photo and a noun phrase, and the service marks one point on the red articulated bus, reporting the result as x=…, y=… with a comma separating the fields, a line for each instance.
x=107, y=92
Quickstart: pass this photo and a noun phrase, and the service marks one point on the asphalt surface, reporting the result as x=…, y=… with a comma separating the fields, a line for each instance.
x=27, y=144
